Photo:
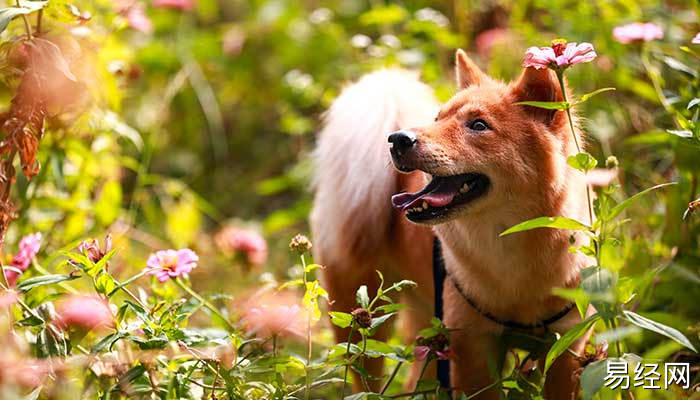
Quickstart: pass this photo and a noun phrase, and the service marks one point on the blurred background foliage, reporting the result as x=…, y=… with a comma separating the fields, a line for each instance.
x=203, y=116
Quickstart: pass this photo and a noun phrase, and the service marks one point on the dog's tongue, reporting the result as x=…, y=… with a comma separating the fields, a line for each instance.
x=438, y=193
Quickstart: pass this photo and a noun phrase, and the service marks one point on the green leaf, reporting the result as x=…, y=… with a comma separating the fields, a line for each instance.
x=587, y=96
x=547, y=222
x=376, y=322
x=312, y=267
x=104, y=283
x=693, y=103
x=362, y=297
x=626, y=203
x=568, y=339
x=340, y=319
x=549, y=105
x=680, y=132
x=109, y=203
x=44, y=280
x=658, y=327
x=592, y=378
x=28, y=7
x=582, y=161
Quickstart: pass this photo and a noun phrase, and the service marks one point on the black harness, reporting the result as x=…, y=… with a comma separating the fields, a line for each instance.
x=439, y=275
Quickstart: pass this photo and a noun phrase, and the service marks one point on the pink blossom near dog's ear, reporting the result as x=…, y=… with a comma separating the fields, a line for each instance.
x=637, y=32
x=559, y=55
x=87, y=312
x=166, y=264
x=184, y=5
x=696, y=39
x=274, y=315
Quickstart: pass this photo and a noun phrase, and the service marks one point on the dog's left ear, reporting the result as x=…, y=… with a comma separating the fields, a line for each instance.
x=539, y=85
x=467, y=72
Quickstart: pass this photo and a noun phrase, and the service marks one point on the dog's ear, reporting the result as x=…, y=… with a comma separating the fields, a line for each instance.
x=467, y=72
x=539, y=85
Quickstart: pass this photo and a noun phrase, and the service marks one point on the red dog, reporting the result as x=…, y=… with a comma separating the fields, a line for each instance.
x=472, y=168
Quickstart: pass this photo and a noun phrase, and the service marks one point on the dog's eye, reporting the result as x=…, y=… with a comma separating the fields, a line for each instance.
x=478, y=125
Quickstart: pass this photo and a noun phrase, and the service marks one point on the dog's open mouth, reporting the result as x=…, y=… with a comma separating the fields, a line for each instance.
x=441, y=195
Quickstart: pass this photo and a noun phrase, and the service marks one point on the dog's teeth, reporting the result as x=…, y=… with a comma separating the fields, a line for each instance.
x=464, y=188
x=425, y=205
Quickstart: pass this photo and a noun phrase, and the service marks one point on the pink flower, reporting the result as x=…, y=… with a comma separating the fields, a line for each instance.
x=87, y=312
x=486, y=40
x=249, y=242
x=8, y=298
x=637, y=32
x=28, y=247
x=135, y=13
x=559, y=56
x=92, y=248
x=166, y=264
x=184, y=5
x=274, y=314
x=422, y=352
x=696, y=39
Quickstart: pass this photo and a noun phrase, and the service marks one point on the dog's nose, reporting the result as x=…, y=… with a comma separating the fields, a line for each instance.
x=402, y=141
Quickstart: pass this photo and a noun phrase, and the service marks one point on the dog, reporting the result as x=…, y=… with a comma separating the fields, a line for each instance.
x=464, y=171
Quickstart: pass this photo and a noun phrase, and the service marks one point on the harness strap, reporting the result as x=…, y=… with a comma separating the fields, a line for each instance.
x=439, y=275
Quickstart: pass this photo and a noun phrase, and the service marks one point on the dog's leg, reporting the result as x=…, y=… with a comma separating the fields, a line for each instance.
x=478, y=353
x=561, y=381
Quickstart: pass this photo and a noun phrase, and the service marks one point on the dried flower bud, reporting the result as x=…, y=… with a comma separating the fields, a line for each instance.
x=611, y=162
x=362, y=317
x=300, y=244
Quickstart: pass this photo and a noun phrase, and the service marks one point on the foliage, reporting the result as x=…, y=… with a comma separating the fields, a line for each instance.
x=188, y=124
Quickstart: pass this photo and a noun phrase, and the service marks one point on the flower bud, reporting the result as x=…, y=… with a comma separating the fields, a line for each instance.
x=611, y=162
x=362, y=317
x=300, y=244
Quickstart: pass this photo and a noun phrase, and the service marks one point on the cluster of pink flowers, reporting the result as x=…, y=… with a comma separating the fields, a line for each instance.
x=28, y=247
x=637, y=32
x=559, y=55
x=135, y=14
x=274, y=315
x=696, y=39
x=246, y=241
x=87, y=312
x=167, y=264
x=184, y=5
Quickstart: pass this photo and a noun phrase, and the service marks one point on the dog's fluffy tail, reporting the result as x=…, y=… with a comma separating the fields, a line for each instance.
x=354, y=178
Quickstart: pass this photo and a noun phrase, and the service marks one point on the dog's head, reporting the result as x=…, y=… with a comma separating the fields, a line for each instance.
x=484, y=149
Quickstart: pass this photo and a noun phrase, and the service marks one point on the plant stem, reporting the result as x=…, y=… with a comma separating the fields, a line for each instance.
x=126, y=282
x=560, y=77
x=347, y=366
x=613, y=324
x=27, y=27
x=422, y=372
x=391, y=377
x=38, y=20
x=307, y=393
x=206, y=304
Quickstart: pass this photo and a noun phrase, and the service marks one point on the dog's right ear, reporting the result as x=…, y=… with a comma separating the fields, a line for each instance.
x=467, y=72
x=539, y=85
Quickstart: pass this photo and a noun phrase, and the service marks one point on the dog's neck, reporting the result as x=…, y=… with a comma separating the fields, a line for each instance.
x=521, y=268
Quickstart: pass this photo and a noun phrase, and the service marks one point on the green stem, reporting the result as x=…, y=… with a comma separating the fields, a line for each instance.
x=653, y=77
x=422, y=372
x=307, y=393
x=201, y=299
x=347, y=366
x=613, y=324
x=391, y=377
x=126, y=282
x=560, y=77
